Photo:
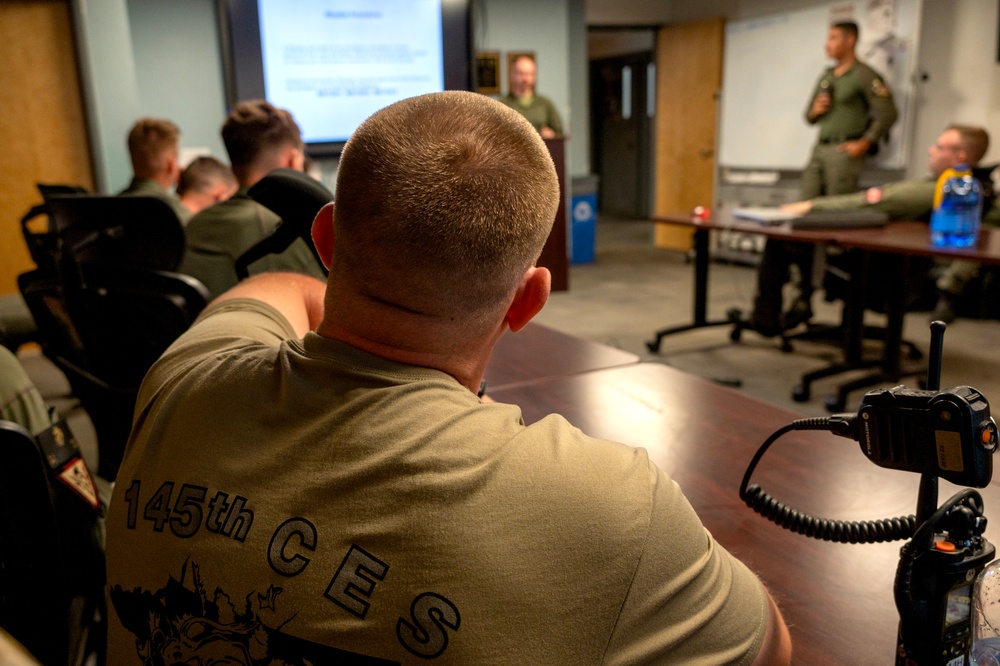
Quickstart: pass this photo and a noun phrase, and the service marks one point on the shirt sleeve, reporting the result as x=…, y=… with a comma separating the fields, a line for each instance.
x=839, y=201
x=907, y=200
x=812, y=98
x=690, y=601
x=881, y=107
x=231, y=324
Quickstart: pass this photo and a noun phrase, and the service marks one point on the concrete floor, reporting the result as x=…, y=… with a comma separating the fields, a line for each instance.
x=632, y=289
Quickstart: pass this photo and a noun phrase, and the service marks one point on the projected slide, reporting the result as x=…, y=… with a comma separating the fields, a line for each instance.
x=335, y=62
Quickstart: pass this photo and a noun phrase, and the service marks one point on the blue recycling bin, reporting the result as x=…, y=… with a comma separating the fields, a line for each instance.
x=583, y=214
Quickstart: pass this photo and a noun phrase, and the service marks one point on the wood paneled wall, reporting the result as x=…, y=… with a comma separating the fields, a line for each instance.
x=43, y=132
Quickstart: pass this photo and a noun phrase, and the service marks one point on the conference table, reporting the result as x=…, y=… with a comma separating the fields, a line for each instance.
x=539, y=352
x=836, y=598
x=896, y=242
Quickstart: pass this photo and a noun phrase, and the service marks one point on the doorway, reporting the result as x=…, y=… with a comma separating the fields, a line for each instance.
x=622, y=111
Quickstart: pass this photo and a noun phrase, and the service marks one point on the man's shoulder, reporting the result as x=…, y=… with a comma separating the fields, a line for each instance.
x=142, y=187
x=866, y=72
x=240, y=209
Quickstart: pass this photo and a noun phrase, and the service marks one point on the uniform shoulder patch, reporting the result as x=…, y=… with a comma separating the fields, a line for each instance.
x=879, y=88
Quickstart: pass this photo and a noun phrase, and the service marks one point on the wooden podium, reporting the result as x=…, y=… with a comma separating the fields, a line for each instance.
x=555, y=254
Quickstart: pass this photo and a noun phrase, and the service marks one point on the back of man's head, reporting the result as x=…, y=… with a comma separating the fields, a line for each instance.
x=443, y=202
x=975, y=141
x=849, y=28
x=255, y=133
x=204, y=173
x=152, y=142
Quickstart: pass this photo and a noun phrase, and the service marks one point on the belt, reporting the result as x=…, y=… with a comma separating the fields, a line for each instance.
x=840, y=139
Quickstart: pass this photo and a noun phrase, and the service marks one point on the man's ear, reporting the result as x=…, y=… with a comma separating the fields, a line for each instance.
x=173, y=167
x=530, y=297
x=322, y=233
x=292, y=158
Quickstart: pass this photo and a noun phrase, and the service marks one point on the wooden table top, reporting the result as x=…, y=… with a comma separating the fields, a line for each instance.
x=538, y=352
x=908, y=238
x=836, y=598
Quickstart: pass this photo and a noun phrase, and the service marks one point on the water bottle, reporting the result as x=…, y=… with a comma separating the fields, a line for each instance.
x=958, y=209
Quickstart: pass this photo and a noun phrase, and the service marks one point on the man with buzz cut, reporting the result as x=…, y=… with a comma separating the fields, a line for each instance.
x=259, y=138
x=154, y=149
x=312, y=477
x=205, y=182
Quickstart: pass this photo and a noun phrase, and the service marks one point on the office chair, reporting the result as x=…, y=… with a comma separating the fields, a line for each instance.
x=43, y=246
x=295, y=197
x=142, y=233
x=51, y=555
x=861, y=281
x=104, y=329
x=109, y=305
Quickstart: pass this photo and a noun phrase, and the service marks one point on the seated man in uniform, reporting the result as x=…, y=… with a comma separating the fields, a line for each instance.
x=905, y=200
x=154, y=147
x=341, y=494
x=259, y=138
x=205, y=182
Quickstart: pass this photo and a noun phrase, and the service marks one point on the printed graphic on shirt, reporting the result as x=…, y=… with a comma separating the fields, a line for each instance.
x=189, y=621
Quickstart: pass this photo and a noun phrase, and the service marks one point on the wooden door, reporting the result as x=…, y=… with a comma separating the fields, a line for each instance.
x=43, y=131
x=688, y=79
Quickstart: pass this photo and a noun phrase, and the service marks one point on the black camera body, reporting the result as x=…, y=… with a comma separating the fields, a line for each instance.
x=947, y=434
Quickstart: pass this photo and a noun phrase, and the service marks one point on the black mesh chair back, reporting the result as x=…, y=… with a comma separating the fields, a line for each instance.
x=130, y=232
x=51, y=559
x=104, y=330
x=43, y=243
x=295, y=197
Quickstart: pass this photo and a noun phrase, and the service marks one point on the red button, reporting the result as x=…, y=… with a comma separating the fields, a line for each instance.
x=945, y=546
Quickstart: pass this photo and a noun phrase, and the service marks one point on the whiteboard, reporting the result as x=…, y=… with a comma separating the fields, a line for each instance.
x=772, y=63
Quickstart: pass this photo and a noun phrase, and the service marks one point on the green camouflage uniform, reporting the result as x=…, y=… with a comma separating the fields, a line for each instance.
x=861, y=106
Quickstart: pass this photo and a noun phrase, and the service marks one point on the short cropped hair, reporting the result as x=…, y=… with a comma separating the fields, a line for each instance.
x=149, y=143
x=202, y=173
x=849, y=28
x=975, y=141
x=443, y=202
x=256, y=127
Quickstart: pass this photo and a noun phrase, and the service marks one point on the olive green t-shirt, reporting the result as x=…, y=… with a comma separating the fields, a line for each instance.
x=302, y=501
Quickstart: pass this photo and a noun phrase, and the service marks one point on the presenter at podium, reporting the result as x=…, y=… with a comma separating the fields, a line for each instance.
x=539, y=110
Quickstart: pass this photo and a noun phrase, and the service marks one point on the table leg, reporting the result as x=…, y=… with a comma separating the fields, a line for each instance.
x=700, y=306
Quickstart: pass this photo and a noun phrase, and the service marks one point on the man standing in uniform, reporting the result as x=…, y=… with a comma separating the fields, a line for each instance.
x=539, y=110
x=854, y=110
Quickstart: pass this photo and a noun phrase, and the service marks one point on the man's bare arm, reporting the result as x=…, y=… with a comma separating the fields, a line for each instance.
x=776, y=650
x=298, y=297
